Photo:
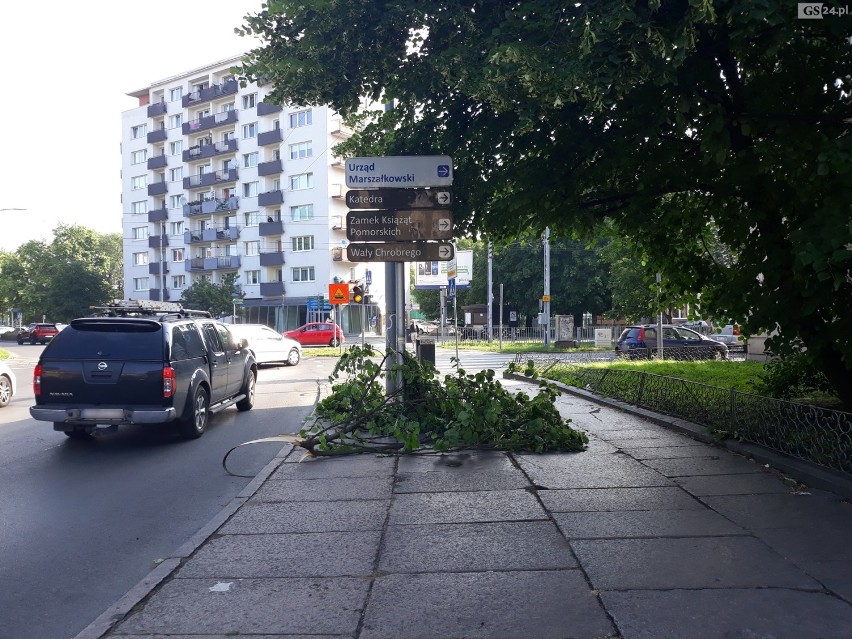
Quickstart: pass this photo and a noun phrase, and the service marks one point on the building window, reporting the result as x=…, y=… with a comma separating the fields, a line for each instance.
x=140, y=259
x=225, y=108
x=301, y=118
x=250, y=160
x=230, y=249
x=138, y=208
x=303, y=274
x=139, y=131
x=140, y=232
x=301, y=150
x=176, y=148
x=175, y=94
x=252, y=218
x=252, y=277
x=138, y=157
x=301, y=181
x=251, y=248
x=175, y=201
x=177, y=255
x=250, y=130
x=250, y=189
x=175, y=121
x=138, y=182
x=140, y=284
x=303, y=243
x=250, y=101
x=176, y=175
x=179, y=281
x=302, y=212
x=176, y=228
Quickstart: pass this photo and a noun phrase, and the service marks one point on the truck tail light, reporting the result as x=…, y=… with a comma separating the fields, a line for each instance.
x=37, y=380
x=168, y=381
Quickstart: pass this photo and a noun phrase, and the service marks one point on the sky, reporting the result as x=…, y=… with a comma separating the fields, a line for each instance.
x=68, y=67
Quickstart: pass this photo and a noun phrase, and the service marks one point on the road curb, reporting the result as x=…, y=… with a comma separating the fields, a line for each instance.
x=806, y=472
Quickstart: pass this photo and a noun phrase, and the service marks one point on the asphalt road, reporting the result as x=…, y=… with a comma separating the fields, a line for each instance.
x=82, y=522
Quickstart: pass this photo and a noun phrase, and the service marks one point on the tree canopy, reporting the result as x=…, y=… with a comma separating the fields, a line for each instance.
x=218, y=299
x=687, y=126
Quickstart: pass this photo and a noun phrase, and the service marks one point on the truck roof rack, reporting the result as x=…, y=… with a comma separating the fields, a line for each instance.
x=146, y=308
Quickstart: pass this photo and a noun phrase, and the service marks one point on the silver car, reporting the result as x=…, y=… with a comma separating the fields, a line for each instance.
x=268, y=346
x=8, y=384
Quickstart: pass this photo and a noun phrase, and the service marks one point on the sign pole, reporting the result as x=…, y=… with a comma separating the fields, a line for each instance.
x=390, y=327
x=501, y=317
x=363, y=322
x=456, y=326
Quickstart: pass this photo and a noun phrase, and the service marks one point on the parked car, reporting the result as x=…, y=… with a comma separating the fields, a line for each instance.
x=151, y=364
x=317, y=334
x=729, y=336
x=37, y=333
x=680, y=342
x=8, y=384
x=268, y=346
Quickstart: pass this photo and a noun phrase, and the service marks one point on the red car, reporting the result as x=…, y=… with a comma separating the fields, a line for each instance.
x=317, y=334
x=37, y=333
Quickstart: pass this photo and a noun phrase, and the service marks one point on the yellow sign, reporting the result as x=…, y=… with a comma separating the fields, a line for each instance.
x=338, y=293
x=545, y=298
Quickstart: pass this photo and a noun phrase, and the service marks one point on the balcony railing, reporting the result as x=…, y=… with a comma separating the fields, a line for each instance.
x=270, y=198
x=195, y=264
x=158, y=188
x=265, y=109
x=339, y=129
x=155, y=268
x=269, y=289
x=210, y=93
x=270, y=137
x=272, y=258
x=158, y=241
x=211, y=235
x=158, y=295
x=273, y=167
x=275, y=227
x=208, y=207
x=157, y=162
x=210, y=178
x=209, y=122
x=157, y=136
x=158, y=215
x=203, y=151
x=156, y=109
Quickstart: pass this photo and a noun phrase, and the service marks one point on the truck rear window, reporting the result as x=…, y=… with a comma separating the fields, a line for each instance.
x=103, y=340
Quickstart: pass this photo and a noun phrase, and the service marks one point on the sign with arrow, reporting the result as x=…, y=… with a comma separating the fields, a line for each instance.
x=394, y=199
x=370, y=226
x=338, y=293
x=400, y=252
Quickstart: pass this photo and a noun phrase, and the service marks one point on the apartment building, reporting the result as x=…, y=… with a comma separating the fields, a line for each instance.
x=215, y=180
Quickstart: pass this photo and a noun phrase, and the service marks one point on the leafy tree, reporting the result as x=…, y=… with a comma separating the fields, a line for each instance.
x=218, y=299
x=672, y=120
x=634, y=291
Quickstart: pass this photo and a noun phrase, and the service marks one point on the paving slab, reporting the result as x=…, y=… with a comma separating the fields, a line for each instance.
x=458, y=472
x=804, y=544
x=645, y=523
x=602, y=499
x=673, y=452
x=351, y=553
x=348, y=466
x=479, y=460
x=783, y=511
x=694, y=562
x=577, y=470
x=729, y=614
x=527, y=545
x=465, y=507
x=326, y=489
x=725, y=464
x=278, y=636
x=544, y=605
x=650, y=432
x=835, y=574
x=656, y=442
x=326, y=516
x=739, y=484
x=252, y=606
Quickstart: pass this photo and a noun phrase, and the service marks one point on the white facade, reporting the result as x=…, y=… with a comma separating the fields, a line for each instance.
x=235, y=185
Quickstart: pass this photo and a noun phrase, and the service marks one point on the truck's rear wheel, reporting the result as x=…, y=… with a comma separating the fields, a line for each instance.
x=248, y=390
x=194, y=423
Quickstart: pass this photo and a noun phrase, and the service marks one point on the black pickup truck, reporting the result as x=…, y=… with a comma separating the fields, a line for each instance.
x=136, y=365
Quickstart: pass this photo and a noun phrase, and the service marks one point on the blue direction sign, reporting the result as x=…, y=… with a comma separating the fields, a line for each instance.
x=451, y=288
x=399, y=199
x=399, y=171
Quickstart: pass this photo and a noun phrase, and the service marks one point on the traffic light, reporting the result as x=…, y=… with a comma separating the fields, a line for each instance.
x=358, y=294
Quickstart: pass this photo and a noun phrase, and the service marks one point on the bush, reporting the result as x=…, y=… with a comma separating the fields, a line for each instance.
x=792, y=377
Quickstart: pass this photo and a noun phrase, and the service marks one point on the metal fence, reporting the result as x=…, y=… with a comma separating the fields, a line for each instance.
x=819, y=435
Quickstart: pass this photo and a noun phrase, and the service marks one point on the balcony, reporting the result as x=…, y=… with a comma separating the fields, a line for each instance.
x=209, y=122
x=211, y=235
x=157, y=136
x=157, y=162
x=155, y=268
x=338, y=222
x=158, y=215
x=272, y=167
x=209, y=179
x=158, y=295
x=270, y=137
x=204, y=151
x=275, y=227
x=270, y=198
x=158, y=241
x=270, y=289
x=156, y=109
x=195, y=264
x=208, y=207
x=339, y=129
x=221, y=262
x=158, y=188
x=210, y=93
x=265, y=109
x=273, y=258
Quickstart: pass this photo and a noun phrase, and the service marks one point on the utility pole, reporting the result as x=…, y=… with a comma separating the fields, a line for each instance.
x=490, y=295
x=546, y=296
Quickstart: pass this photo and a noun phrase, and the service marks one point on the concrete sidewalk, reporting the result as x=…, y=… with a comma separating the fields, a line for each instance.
x=648, y=534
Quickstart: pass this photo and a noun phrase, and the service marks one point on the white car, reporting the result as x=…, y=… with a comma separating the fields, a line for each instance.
x=8, y=384
x=267, y=345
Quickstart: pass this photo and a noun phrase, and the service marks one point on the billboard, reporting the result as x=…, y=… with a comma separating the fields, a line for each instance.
x=433, y=275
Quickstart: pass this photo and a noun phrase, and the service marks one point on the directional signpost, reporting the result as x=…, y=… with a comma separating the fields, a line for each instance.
x=400, y=252
x=399, y=199
x=399, y=171
x=428, y=224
